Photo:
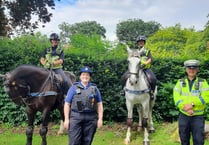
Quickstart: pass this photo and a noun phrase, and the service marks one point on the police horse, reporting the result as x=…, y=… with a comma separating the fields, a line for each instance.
x=40, y=90
x=137, y=93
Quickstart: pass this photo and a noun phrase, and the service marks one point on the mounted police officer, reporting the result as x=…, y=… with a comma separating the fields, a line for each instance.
x=146, y=60
x=191, y=94
x=83, y=110
x=53, y=58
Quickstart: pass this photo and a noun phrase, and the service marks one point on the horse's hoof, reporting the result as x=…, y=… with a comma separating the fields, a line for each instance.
x=151, y=131
x=127, y=141
x=146, y=143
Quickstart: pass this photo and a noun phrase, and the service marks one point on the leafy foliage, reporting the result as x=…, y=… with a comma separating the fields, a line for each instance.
x=20, y=15
x=88, y=28
x=127, y=31
x=175, y=42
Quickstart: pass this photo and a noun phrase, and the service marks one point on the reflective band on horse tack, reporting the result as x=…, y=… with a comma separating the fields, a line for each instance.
x=38, y=94
x=136, y=92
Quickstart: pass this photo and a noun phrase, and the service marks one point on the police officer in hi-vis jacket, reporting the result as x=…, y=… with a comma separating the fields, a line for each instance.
x=191, y=94
x=83, y=110
x=53, y=58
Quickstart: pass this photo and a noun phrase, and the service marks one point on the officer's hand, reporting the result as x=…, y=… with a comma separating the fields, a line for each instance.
x=190, y=112
x=66, y=124
x=187, y=107
x=99, y=123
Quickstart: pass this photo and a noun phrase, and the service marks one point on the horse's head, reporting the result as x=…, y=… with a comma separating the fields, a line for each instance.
x=134, y=66
x=15, y=88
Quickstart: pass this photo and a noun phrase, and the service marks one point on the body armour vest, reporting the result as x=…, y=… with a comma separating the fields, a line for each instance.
x=85, y=99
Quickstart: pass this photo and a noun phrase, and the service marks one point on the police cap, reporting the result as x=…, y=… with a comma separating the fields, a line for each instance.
x=85, y=69
x=192, y=63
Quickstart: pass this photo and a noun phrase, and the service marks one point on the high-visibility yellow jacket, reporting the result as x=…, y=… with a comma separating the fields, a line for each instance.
x=199, y=95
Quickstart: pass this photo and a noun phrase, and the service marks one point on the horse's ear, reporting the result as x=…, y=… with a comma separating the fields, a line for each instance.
x=128, y=50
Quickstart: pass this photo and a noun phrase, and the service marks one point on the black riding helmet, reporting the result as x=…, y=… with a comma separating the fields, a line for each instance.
x=54, y=36
x=141, y=38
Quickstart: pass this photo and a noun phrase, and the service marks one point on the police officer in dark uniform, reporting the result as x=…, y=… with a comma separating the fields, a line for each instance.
x=83, y=110
x=53, y=58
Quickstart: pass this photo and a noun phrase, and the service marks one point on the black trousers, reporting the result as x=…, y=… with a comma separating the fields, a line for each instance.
x=66, y=83
x=82, y=128
x=191, y=125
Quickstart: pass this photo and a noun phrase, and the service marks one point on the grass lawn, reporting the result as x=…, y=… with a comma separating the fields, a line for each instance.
x=114, y=134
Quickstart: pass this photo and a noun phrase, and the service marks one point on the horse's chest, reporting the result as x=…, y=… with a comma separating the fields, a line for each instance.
x=138, y=98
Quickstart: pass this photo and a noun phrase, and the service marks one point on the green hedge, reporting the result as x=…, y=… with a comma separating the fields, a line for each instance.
x=107, y=75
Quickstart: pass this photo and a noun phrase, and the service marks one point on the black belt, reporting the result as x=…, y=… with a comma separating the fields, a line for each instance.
x=84, y=111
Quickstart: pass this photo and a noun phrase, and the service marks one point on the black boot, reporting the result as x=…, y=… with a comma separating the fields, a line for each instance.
x=122, y=92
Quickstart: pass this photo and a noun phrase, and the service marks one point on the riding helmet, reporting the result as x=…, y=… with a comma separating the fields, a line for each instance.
x=141, y=37
x=54, y=36
x=85, y=69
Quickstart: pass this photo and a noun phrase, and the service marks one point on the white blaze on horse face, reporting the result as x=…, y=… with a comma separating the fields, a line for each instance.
x=133, y=69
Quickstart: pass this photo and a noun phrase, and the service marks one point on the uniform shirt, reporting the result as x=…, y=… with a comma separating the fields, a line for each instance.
x=72, y=92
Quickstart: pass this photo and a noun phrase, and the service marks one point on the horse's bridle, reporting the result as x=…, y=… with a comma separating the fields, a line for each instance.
x=8, y=84
x=135, y=73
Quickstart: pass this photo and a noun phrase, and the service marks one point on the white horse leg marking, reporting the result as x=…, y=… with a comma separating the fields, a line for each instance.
x=140, y=114
x=61, y=130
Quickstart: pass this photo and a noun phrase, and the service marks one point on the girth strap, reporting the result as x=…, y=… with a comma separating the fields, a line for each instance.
x=137, y=92
x=47, y=93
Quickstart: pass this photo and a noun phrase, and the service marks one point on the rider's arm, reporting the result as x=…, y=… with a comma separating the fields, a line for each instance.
x=60, y=60
x=66, y=115
x=68, y=101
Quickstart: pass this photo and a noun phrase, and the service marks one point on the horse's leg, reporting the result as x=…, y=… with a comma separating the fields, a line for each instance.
x=139, y=110
x=151, y=129
x=61, y=129
x=29, y=131
x=44, y=129
x=146, y=111
x=129, y=121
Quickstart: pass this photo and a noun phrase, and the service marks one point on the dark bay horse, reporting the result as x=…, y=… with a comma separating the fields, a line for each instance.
x=40, y=90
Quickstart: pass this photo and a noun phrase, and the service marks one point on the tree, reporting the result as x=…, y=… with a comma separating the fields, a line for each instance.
x=128, y=30
x=17, y=15
x=88, y=28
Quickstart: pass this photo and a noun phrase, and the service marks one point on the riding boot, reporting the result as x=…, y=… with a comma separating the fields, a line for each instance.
x=124, y=79
x=122, y=92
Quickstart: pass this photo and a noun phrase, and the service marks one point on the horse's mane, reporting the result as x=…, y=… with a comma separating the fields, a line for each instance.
x=27, y=69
